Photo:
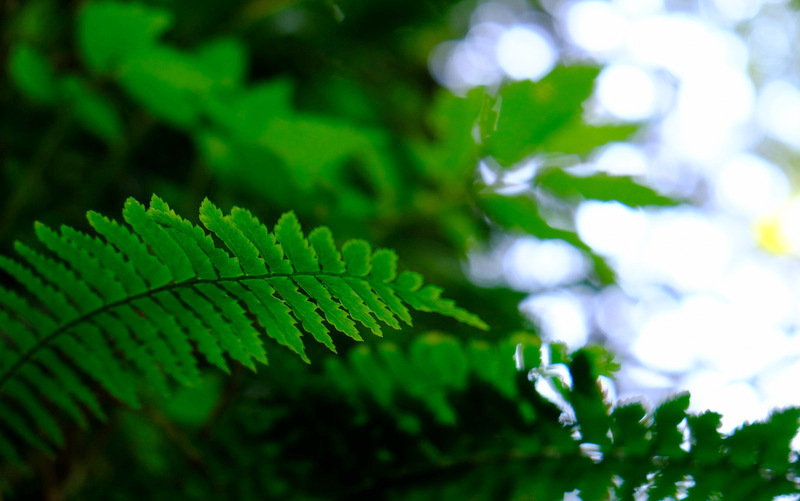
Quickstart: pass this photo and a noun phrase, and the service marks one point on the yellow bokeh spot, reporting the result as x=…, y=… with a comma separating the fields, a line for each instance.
x=770, y=236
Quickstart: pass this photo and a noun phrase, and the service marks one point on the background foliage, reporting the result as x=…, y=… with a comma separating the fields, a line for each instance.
x=327, y=109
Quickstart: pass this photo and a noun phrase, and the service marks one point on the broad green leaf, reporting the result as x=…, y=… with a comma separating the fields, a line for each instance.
x=580, y=138
x=110, y=32
x=313, y=146
x=532, y=111
x=32, y=74
x=247, y=114
x=168, y=83
x=224, y=60
x=601, y=186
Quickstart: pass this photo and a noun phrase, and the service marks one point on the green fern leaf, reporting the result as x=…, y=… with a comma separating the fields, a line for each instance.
x=234, y=239
x=143, y=301
x=330, y=258
x=433, y=366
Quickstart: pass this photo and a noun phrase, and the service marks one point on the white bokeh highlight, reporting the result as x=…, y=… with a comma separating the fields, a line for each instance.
x=750, y=185
x=525, y=53
x=595, y=26
x=627, y=92
x=779, y=112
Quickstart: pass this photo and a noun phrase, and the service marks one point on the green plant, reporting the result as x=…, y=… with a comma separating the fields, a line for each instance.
x=154, y=293
x=324, y=108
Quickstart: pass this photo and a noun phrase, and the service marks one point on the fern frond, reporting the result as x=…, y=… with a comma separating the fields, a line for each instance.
x=398, y=405
x=432, y=367
x=146, y=297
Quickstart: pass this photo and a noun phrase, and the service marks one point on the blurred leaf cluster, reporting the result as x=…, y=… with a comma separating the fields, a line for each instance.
x=327, y=108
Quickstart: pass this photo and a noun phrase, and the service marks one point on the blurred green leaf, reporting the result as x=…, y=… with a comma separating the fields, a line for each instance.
x=706, y=440
x=531, y=350
x=311, y=146
x=315, y=151
x=629, y=429
x=109, y=33
x=442, y=355
x=668, y=438
x=452, y=156
x=665, y=484
x=216, y=149
x=342, y=123
x=767, y=443
x=521, y=213
x=493, y=367
x=587, y=400
x=431, y=370
x=602, y=360
x=530, y=112
x=192, y=406
x=32, y=74
x=579, y=138
x=224, y=60
x=366, y=368
x=601, y=186
x=247, y=114
x=168, y=83
x=622, y=189
x=96, y=113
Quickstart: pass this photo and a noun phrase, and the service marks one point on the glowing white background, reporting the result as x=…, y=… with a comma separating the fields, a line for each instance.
x=700, y=304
